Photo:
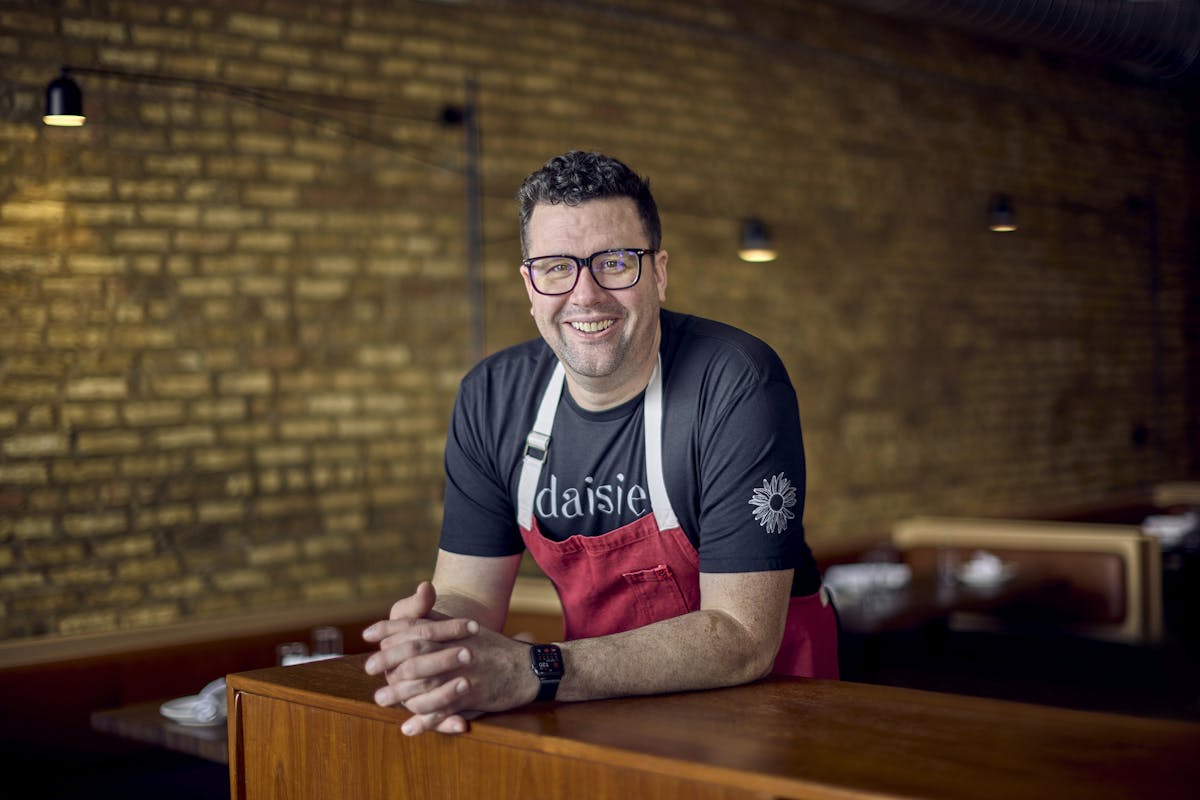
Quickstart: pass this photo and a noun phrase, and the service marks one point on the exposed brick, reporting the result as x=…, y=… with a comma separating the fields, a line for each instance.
x=321, y=289
x=155, y=413
x=184, y=385
x=183, y=165
x=28, y=22
x=257, y=382
x=184, y=436
x=94, y=524
x=97, y=388
x=184, y=587
x=241, y=580
x=273, y=553
x=33, y=211
x=87, y=622
x=328, y=591
x=90, y=415
x=220, y=511
x=97, y=214
x=284, y=304
x=69, y=471
x=164, y=515
x=33, y=527
x=49, y=553
x=113, y=32
x=219, y=409
x=157, y=189
x=35, y=444
x=127, y=547
x=306, y=428
x=150, y=616
x=280, y=454
x=174, y=39
x=136, y=60
x=11, y=582
x=108, y=442
x=254, y=25
x=23, y=474
x=176, y=216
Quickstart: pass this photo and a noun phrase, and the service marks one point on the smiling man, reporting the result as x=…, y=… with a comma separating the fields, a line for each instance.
x=651, y=463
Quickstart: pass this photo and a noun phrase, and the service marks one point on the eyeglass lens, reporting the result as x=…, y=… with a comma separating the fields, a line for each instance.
x=612, y=269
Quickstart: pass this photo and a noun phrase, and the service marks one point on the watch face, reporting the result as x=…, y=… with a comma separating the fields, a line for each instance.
x=547, y=660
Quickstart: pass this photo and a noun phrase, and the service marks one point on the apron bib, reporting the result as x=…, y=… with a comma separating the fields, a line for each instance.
x=646, y=571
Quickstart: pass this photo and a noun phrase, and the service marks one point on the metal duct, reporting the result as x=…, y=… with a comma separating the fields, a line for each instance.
x=1155, y=38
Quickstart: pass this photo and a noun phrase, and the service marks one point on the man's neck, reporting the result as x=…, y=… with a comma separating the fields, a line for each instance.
x=598, y=394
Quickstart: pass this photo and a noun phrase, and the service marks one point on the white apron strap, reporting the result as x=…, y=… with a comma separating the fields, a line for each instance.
x=664, y=515
x=537, y=447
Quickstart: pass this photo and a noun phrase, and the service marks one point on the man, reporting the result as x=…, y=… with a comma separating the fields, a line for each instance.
x=651, y=462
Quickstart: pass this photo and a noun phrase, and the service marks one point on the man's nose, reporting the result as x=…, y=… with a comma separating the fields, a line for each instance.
x=586, y=289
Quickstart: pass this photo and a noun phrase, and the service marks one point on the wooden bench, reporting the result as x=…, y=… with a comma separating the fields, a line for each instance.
x=51, y=685
x=1109, y=576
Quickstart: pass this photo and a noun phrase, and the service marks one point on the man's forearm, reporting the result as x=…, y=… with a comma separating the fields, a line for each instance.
x=702, y=650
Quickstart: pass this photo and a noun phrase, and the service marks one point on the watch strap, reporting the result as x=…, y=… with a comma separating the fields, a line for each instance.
x=547, y=689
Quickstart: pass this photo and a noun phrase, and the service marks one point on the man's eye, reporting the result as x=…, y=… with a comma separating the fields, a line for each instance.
x=612, y=264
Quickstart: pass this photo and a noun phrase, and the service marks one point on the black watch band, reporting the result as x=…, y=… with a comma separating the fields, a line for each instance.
x=547, y=664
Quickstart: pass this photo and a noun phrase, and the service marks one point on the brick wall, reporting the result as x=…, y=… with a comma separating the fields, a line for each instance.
x=230, y=336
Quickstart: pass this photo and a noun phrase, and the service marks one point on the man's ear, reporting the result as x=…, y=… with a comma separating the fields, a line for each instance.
x=660, y=273
x=528, y=287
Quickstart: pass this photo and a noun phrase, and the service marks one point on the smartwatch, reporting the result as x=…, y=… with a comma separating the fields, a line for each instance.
x=547, y=663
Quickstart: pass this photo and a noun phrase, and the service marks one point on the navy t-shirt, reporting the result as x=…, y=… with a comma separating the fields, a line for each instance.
x=733, y=455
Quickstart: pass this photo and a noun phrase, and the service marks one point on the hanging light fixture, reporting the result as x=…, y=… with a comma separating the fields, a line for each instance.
x=756, y=242
x=64, y=102
x=1002, y=217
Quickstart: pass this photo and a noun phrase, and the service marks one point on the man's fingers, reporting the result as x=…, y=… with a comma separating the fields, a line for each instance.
x=444, y=630
x=455, y=723
x=414, y=660
x=425, y=697
x=417, y=604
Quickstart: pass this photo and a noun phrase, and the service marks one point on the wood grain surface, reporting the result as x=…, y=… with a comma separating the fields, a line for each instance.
x=312, y=731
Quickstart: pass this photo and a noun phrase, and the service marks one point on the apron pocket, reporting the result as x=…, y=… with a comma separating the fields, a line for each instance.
x=657, y=594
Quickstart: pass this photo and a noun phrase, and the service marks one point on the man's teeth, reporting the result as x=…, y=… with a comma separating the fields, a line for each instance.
x=592, y=327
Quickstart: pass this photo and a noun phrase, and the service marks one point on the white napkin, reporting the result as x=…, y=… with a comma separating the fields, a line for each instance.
x=206, y=708
x=210, y=703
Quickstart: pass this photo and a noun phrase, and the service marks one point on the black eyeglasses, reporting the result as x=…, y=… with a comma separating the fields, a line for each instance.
x=611, y=269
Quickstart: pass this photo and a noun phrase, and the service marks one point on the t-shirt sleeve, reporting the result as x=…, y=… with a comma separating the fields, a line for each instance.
x=752, y=474
x=478, y=517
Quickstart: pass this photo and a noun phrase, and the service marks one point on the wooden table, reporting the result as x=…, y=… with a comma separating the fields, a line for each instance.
x=142, y=722
x=313, y=732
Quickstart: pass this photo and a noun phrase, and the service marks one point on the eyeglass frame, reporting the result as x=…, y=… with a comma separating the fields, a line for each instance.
x=580, y=263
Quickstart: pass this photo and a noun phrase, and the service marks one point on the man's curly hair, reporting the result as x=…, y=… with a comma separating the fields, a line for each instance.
x=577, y=177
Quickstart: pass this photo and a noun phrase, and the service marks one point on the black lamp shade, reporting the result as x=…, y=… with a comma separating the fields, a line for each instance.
x=1002, y=217
x=64, y=102
x=756, y=242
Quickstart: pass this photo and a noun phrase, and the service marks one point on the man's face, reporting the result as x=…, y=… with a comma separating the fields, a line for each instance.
x=606, y=339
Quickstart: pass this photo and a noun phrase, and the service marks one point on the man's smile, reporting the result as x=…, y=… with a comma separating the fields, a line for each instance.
x=594, y=326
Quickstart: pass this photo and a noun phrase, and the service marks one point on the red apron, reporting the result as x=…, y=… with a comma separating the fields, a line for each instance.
x=647, y=571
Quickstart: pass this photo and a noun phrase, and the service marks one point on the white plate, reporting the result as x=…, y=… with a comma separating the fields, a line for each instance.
x=180, y=710
x=867, y=576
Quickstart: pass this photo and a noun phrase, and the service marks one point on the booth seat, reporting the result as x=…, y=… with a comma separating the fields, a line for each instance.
x=52, y=684
x=1102, y=581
